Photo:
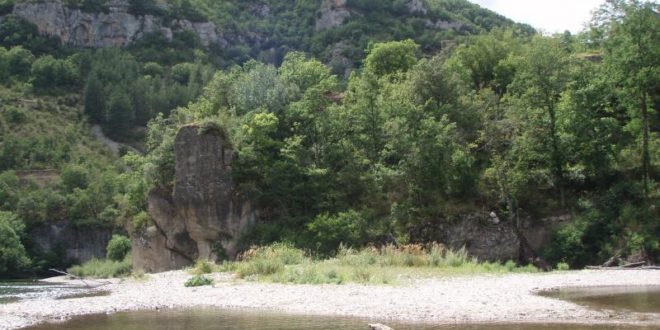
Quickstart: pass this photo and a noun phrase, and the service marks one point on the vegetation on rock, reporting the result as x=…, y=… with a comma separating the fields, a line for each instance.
x=376, y=131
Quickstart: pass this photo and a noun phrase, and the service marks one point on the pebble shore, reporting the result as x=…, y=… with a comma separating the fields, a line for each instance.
x=447, y=300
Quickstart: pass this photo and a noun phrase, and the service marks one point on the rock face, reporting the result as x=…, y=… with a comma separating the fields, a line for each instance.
x=489, y=237
x=78, y=244
x=203, y=216
x=118, y=27
x=483, y=237
x=333, y=13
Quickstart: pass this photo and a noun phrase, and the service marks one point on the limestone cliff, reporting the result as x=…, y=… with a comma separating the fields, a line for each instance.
x=117, y=27
x=203, y=216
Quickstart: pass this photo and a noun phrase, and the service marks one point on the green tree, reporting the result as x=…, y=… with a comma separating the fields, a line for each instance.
x=535, y=93
x=391, y=57
x=95, y=101
x=632, y=54
x=120, y=114
x=13, y=258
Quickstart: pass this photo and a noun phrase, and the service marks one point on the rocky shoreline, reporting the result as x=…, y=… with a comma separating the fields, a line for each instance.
x=450, y=300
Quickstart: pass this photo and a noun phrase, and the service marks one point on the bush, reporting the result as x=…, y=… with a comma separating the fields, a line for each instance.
x=329, y=231
x=96, y=268
x=562, y=266
x=203, y=267
x=198, y=280
x=118, y=247
x=269, y=260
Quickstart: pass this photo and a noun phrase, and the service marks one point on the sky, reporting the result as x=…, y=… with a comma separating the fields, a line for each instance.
x=550, y=16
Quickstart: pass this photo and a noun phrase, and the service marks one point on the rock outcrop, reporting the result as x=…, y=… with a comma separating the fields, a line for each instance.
x=488, y=237
x=117, y=27
x=72, y=244
x=203, y=216
x=333, y=13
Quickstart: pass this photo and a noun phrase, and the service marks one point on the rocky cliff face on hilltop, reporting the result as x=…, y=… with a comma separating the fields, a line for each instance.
x=117, y=27
x=203, y=216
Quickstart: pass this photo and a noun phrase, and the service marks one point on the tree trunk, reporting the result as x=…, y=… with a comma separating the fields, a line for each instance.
x=646, y=159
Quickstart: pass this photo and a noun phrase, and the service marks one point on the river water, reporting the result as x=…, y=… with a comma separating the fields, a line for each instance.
x=622, y=299
x=213, y=319
x=32, y=290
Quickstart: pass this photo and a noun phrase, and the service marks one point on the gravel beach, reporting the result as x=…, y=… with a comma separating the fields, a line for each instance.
x=463, y=299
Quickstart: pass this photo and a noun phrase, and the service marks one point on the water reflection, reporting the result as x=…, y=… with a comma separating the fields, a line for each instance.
x=207, y=319
x=643, y=299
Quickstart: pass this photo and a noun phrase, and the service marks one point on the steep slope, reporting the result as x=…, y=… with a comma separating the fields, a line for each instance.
x=336, y=31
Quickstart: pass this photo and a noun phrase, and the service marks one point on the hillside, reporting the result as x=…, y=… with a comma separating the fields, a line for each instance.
x=325, y=124
x=336, y=31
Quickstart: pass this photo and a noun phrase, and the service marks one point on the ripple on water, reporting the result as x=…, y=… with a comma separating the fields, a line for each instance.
x=16, y=291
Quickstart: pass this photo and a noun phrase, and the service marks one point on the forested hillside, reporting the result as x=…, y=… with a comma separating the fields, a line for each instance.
x=379, y=123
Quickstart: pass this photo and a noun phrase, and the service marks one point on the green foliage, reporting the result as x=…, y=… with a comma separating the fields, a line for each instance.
x=391, y=57
x=103, y=268
x=562, y=266
x=329, y=232
x=118, y=248
x=6, y=7
x=203, y=267
x=48, y=73
x=198, y=280
x=13, y=258
x=284, y=264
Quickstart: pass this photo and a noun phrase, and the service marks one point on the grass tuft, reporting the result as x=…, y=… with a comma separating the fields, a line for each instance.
x=283, y=263
x=96, y=268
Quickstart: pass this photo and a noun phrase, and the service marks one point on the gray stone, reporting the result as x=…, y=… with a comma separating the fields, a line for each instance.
x=118, y=27
x=201, y=215
x=333, y=13
x=79, y=244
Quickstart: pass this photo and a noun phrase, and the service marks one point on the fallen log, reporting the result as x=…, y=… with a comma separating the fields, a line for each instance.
x=102, y=283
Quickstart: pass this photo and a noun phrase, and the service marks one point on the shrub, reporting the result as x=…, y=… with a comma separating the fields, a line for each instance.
x=96, y=268
x=118, y=247
x=198, y=280
x=562, y=266
x=202, y=267
x=15, y=115
x=269, y=260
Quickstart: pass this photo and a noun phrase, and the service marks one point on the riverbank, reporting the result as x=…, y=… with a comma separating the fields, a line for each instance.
x=461, y=299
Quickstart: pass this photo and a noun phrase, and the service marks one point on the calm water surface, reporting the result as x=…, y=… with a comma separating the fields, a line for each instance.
x=207, y=319
x=642, y=299
x=623, y=299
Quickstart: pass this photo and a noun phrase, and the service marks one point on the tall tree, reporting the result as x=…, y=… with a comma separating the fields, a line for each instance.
x=632, y=54
x=95, y=100
x=541, y=77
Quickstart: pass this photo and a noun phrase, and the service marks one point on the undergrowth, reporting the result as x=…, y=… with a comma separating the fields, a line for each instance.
x=96, y=268
x=282, y=263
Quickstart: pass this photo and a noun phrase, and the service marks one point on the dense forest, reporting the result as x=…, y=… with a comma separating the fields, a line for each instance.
x=416, y=134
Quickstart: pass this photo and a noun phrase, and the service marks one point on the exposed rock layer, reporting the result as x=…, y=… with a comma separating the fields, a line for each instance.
x=72, y=244
x=117, y=27
x=203, y=216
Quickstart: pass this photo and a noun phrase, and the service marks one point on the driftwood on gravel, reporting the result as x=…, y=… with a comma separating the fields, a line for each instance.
x=609, y=265
x=102, y=283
